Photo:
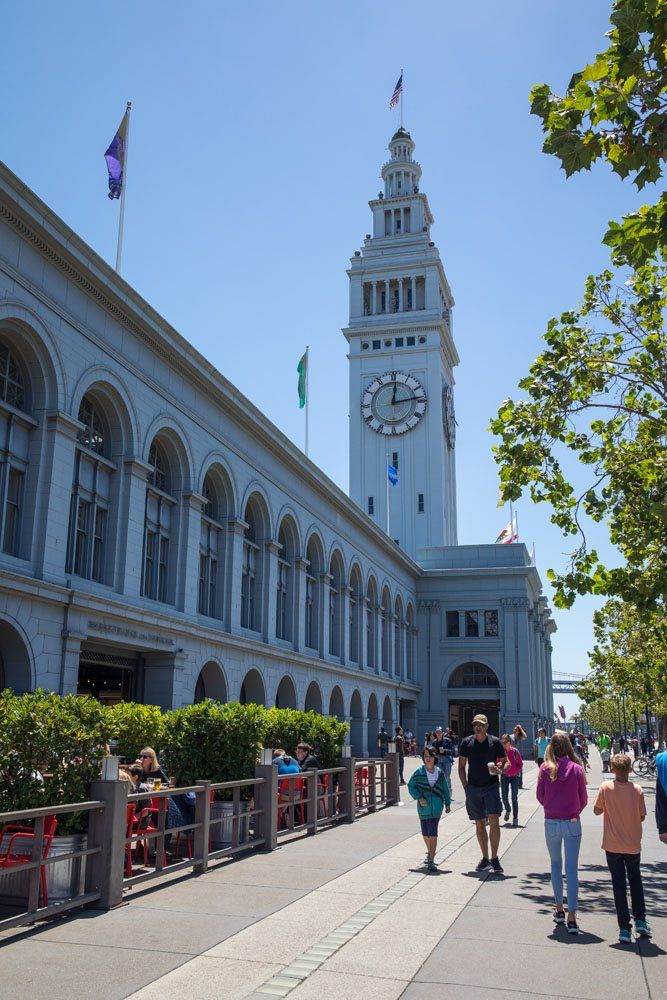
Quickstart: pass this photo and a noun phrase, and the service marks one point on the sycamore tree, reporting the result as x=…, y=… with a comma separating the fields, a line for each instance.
x=596, y=398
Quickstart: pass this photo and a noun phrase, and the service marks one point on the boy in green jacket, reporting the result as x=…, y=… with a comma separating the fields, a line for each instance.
x=429, y=787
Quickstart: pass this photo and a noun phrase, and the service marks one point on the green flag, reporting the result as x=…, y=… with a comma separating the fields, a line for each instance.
x=302, y=369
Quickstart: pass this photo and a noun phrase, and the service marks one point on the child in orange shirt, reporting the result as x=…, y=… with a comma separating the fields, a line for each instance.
x=621, y=803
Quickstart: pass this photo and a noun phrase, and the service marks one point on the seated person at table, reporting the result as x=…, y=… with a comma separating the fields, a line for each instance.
x=286, y=764
x=150, y=765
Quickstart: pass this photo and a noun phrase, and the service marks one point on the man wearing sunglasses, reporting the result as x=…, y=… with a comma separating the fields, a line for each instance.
x=485, y=759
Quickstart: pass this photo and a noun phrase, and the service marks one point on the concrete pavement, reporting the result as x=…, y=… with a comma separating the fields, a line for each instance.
x=351, y=912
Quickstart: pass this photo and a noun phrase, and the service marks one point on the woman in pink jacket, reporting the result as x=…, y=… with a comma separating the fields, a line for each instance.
x=561, y=789
x=510, y=780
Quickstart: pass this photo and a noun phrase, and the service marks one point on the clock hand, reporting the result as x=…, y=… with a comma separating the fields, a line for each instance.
x=393, y=396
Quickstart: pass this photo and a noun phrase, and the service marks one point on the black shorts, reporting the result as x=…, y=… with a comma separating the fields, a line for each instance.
x=483, y=801
x=430, y=826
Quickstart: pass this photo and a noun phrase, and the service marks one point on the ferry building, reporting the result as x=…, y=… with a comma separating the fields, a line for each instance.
x=161, y=540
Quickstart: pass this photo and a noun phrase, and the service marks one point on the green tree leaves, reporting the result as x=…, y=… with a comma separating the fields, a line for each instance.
x=598, y=391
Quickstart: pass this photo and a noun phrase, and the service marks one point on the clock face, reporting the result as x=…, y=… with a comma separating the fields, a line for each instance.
x=448, y=417
x=393, y=403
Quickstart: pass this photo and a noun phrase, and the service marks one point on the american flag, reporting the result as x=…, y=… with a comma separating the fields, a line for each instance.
x=398, y=90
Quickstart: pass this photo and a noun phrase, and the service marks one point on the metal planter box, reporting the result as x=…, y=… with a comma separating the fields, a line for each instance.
x=64, y=880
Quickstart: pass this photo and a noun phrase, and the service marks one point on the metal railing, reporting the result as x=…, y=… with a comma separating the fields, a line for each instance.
x=129, y=841
x=375, y=783
x=31, y=824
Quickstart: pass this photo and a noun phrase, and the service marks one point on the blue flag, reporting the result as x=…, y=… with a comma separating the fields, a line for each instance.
x=392, y=475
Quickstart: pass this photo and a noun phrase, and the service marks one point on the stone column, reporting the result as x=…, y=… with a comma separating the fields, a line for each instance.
x=233, y=572
x=387, y=307
x=269, y=610
x=52, y=510
x=161, y=682
x=187, y=574
x=404, y=650
x=391, y=659
x=414, y=293
x=69, y=664
x=131, y=541
x=374, y=305
x=400, y=294
x=513, y=701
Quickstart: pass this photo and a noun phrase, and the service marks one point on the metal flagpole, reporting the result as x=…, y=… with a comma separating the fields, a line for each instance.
x=307, y=394
x=515, y=528
x=402, y=92
x=121, y=217
x=511, y=520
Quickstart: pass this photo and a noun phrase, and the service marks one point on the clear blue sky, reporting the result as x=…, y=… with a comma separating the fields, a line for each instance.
x=257, y=136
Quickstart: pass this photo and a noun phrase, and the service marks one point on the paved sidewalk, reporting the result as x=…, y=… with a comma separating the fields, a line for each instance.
x=351, y=913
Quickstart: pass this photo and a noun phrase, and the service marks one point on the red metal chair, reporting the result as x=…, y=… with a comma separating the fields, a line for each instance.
x=22, y=836
x=361, y=786
x=323, y=795
x=131, y=822
x=145, y=824
x=285, y=795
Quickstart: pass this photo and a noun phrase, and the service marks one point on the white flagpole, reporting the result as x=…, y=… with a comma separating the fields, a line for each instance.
x=121, y=217
x=402, y=92
x=515, y=528
x=307, y=394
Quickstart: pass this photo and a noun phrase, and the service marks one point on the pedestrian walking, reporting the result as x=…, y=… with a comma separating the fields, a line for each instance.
x=428, y=786
x=485, y=758
x=561, y=790
x=540, y=747
x=518, y=737
x=509, y=781
x=623, y=810
x=400, y=750
x=661, y=794
x=444, y=748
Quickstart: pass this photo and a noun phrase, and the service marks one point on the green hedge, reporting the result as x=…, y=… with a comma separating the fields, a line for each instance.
x=67, y=738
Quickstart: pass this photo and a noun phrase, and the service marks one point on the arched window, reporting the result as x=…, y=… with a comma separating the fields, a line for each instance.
x=475, y=675
x=15, y=437
x=159, y=522
x=355, y=609
x=313, y=595
x=251, y=572
x=12, y=387
x=92, y=435
x=210, y=552
x=91, y=497
x=285, y=581
x=336, y=585
x=386, y=630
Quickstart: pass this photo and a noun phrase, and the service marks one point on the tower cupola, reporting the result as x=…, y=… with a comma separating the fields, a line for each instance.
x=401, y=174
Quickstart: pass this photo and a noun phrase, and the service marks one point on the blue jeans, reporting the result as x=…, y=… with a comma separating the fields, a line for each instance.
x=507, y=784
x=564, y=834
x=445, y=763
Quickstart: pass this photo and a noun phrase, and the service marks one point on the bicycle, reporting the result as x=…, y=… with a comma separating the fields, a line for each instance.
x=644, y=765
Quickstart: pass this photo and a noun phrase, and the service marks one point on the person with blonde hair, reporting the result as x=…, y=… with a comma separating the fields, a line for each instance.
x=151, y=766
x=561, y=790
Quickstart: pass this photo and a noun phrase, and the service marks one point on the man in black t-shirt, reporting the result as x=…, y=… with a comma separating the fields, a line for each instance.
x=485, y=758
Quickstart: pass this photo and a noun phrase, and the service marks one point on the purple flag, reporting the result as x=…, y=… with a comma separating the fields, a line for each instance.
x=115, y=157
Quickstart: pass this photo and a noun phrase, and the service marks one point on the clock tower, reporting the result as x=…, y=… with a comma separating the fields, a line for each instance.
x=402, y=357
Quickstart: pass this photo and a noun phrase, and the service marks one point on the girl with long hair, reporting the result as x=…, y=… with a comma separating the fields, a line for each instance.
x=561, y=790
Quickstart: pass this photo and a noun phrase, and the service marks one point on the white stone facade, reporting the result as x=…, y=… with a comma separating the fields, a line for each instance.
x=161, y=540
x=155, y=522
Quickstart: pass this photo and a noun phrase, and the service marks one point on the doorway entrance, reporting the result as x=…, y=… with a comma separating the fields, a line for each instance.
x=461, y=714
x=108, y=677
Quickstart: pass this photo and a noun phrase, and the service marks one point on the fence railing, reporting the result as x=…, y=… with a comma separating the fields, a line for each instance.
x=130, y=841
